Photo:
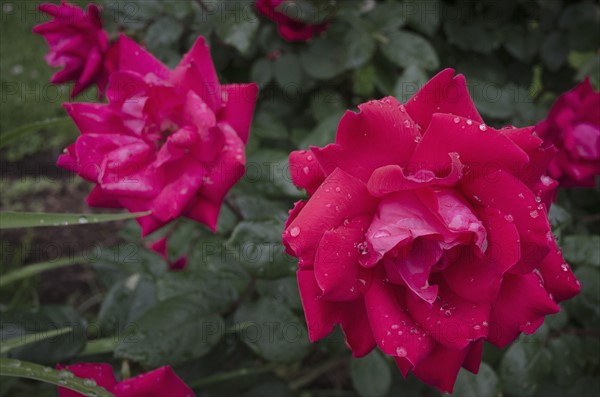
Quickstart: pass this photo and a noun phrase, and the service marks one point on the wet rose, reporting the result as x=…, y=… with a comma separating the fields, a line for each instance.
x=78, y=44
x=171, y=142
x=426, y=232
x=573, y=126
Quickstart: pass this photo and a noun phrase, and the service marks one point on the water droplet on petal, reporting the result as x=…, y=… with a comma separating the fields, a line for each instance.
x=456, y=120
x=482, y=127
x=469, y=122
x=295, y=231
x=534, y=214
x=564, y=267
x=401, y=352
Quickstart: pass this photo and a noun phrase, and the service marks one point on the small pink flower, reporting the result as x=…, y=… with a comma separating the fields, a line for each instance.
x=160, y=382
x=169, y=141
x=290, y=29
x=79, y=45
x=426, y=232
x=573, y=126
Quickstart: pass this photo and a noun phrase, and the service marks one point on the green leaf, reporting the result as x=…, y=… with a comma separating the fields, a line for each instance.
x=585, y=307
x=262, y=72
x=568, y=359
x=267, y=171
x=306, y=11
x=324, y=59
x=405, y=49
x=364, y=80
x=62, y=378
x=371, y=375
x=360, y=48
x=116, y=263
x=276, y=334
x=411, y=80
x=387, y=17
x=125, y=302
x=326, y=102
x=253, y=207
x=258, y=247
x=284, y=290
x=471, y=35
x=324, y=132
x=483, y=384
x=16, y=323
x=174, y=331
x=423, y=15
x=582, y=249
x=37, y=268
x=11, y=220
x=523, y=367
x=237, y=31
x=10, y=136
x=288, y=73
x=585, y=387
x=555, y=50
x=18, y=341
x=161, y=39
x=497, y=101
x=522, y=43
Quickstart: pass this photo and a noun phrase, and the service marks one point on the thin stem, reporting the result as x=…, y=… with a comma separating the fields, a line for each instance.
x=225, y=376
x=315, y=373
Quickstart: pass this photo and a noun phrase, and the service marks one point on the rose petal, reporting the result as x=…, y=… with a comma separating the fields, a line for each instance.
x=339, y=197
x=395, y=332
x=380, y=134
x=391, y=178
x=444, y=93
x=521, y=306
x=336, y=261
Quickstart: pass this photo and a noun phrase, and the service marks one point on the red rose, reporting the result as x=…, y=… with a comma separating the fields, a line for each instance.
x=168, y=141
x=290, y=29
x=156, y=383
x=77, y=43
x=573, y=126
x=425, y=233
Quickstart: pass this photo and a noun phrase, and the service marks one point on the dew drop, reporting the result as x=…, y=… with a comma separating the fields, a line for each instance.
x=306, y=170
x=295, y=231
x=564, y=267
x=483, y=127
x=469, y=122
x=401, y=352
x=456, y=120
x=417, y=139
x=509, y=218
x=14, y=363
x=337, y=189
x=89, y=382
x=534, y=214
x=407, y=123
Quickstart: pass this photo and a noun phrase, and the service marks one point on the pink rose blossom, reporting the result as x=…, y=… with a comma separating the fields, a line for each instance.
x=426, y=232
x=79, y=45
x=573, y=126
x=290, y=29
x=169, y=141
x=160, y=382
